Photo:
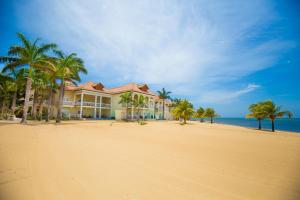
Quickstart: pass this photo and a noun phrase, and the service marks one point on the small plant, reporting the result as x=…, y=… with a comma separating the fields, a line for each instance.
x=142, y=123
x=182, y=123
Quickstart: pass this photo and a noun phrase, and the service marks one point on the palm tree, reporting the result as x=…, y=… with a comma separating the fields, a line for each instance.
x=176, y=101
x=257, y=112
x=210, y=113
x=68, y=69
x=139, y=103
x=28, y=55
x=126, y=99
x=39, y=84
x=184, y=110
x=272, y=111
x=200, y=113
x=52, y=85
x=18, y=80
x=6, y=86
x=163, y=94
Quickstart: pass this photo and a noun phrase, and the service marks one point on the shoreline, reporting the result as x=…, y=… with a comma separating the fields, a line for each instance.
x=262, y=130
x=253, y=126
x=150, y=121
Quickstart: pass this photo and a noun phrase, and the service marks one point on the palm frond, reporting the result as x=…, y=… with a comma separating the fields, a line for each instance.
x=46, y=47
x=5, y=59
x=59, y=53
x=26, y=42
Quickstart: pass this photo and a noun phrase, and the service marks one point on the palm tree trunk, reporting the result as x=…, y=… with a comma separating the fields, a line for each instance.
x=163, y=109
x=60, y=102
x=49, y=105
x=273, y=125
x=3, y=107
x=26, y=102
x=211, y=120
x=259, y=124
x=154, y=110
x=52, y=105
x=126, y=112
x=184, y=120
x=34, y=104
x=13, y=106
x=41, y=108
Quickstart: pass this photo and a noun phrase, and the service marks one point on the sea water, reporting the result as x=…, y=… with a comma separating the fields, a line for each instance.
x=283, y=124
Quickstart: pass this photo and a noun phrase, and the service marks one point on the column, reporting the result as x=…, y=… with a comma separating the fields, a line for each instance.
x=81, y=103
x=132, y=106
x=100, y=107
x=111, y=108
x=95, y=107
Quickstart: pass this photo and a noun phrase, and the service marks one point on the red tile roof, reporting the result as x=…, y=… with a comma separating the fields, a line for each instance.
x=143, y=88
x=91, y=86
x=99, y=87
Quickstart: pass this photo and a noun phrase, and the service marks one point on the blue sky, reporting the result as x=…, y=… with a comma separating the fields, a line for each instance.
x=224, y=54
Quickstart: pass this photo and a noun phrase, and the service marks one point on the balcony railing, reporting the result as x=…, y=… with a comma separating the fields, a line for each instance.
x=92, y=104
x=105, y=105
x=85, y=103
x=69, y=103
x=129, y=106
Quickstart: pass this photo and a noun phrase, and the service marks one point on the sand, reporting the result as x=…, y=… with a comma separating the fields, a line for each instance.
x=160, y=160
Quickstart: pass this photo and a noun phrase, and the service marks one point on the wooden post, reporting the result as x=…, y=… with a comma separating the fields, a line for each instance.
x=132, y=106
x=81, y=103
x=100, y=112
x=95, y=107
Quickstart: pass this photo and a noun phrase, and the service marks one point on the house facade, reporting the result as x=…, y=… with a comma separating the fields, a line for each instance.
x=93, y=100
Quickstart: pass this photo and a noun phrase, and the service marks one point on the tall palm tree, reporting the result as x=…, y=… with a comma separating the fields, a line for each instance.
x=163, y=94
x=184, y=110
x=126, y=99
x=28, y=55
x=273, y=112
x=68, y=69
x=6, y=87
x=210, y=113
x=200, y=113
x=257, y=112
x=39, y=84
x=52, y=85
x=139, y=103
x=18, y=80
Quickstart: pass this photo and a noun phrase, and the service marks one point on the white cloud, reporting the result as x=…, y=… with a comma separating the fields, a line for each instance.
x=181, y=45
x=225, y=96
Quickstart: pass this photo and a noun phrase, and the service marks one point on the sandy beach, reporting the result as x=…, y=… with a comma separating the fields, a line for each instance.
x=160, y=160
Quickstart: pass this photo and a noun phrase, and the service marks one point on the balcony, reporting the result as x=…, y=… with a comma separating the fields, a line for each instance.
x=69, y=103
x=92, y=104
x=130, y=106
x=85, y=103
x=105, y=105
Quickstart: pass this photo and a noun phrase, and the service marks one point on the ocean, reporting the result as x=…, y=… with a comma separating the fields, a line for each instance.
x=283, y=124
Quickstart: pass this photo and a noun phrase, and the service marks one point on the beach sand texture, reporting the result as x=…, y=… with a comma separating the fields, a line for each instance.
x=92, y=160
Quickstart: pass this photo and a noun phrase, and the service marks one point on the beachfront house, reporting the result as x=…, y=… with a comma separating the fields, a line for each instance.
x=93, y=101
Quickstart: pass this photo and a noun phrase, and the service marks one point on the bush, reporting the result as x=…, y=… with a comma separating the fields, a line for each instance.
x=142, y=123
